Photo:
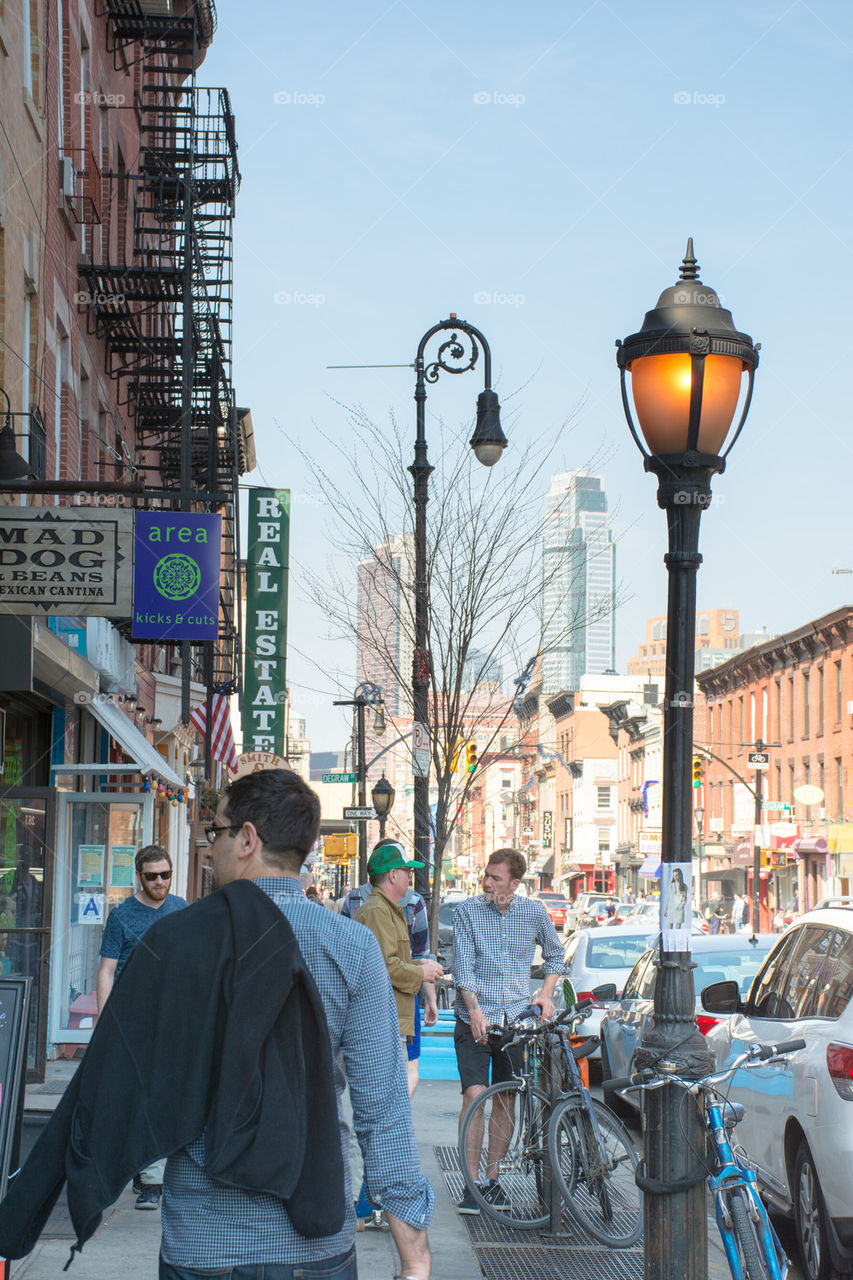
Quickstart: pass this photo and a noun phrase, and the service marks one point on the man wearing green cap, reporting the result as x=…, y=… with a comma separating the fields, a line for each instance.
x=390, y=873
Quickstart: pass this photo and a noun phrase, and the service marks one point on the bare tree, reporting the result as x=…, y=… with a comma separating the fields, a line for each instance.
x=486, y=584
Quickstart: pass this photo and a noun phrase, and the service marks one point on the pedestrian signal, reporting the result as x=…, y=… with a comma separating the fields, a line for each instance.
x=470, y=757
x=698, y=769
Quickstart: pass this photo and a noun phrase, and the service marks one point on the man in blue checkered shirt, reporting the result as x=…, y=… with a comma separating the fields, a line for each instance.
x=495, y=935
x=265, y=825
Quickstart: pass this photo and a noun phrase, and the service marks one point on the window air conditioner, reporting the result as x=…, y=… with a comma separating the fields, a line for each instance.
x=66, y=178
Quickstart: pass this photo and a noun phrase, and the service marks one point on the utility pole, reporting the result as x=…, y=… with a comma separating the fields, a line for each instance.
x=759, y=761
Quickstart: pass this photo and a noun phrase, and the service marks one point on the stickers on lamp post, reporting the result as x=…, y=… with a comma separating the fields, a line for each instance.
x=676, y=905
x=176, y=575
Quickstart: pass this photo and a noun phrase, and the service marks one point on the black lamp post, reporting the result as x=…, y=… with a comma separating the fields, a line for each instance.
x=367, y=694
x=686, y=364
x=488, y=443
x=382, y=796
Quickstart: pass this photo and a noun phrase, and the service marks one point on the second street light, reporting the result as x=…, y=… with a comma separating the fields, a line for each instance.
x=382, y=796
x=686, y=364
x=459, y=353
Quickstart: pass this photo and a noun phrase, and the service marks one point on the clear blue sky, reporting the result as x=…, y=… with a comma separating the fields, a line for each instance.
x=381, y=191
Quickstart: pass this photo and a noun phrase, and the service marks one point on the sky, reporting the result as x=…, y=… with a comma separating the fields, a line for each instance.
x=537, y=169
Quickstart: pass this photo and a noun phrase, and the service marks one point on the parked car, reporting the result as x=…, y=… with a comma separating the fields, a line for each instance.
x=642, y=912
x=556, y=904
x=580, y=914
x=445, y=927
x=596, y=957
x=718, y=958
x=798, y=1127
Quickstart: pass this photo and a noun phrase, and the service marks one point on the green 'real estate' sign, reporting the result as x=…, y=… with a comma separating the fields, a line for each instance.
x=267, y=568
x=176, y=572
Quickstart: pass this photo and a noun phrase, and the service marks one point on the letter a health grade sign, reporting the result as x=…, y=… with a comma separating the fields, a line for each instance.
x=176, y=573
x=267, y=569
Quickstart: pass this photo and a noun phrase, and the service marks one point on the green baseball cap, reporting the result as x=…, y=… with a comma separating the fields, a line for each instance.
x=388, y=855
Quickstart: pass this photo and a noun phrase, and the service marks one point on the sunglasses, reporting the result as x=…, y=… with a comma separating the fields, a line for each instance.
x=151, y=876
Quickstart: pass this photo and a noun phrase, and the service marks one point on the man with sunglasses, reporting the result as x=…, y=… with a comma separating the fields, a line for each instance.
x=125, y=925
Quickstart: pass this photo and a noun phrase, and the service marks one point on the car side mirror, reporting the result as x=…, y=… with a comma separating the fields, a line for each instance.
x=721, y=997
x=607, y=991
x=537, y=971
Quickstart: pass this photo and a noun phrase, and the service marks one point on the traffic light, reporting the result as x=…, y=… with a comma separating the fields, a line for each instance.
x=698, y=769
x=470, y=757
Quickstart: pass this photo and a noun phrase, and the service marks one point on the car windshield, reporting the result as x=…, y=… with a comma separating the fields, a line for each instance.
x=552, y=897
x=614, y=953
x=445, y=912
x=725, y=966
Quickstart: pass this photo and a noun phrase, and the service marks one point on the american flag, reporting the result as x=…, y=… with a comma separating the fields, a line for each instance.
x=221, y=734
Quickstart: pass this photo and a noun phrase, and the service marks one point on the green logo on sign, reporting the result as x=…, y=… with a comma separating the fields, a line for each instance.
x=176, y=577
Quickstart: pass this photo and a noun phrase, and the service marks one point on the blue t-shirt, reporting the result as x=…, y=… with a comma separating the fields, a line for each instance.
x=127, y=923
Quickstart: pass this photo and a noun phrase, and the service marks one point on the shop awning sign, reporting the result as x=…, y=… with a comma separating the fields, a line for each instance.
x=176, y=575
x=65, y=561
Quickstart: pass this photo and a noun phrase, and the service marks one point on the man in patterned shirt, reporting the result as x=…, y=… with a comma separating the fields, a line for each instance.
x=265, y=825
x=495, y=935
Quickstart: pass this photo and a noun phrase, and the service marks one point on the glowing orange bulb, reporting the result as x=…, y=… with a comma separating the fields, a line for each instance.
x=662, y=386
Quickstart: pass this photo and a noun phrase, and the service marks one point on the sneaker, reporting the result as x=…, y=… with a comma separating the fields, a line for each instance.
x=137, y=1183
x=467, y=1204
x=149, y=1197
x=496, y=1196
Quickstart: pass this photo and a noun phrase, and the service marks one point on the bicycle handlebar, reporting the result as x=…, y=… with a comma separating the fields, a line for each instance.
x=647, y=1079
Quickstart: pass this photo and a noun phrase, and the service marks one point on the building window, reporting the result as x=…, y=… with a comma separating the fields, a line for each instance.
x=790, y=708
x=506, y=784
x=603, y=797
x=603, y=839
x=838, y=693
x=740, y=720
x=791, y=783
x=820, y=693
x=806, y=708
x=778, y=699
x=839, y=788
x=778, y=782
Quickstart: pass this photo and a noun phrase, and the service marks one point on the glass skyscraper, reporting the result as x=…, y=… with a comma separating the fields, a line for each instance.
x=578, y=582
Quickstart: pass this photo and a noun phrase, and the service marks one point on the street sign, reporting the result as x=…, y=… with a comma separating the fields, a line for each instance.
x=776, y=806
x=340, y=777
x=362, y=815
x=758, y=759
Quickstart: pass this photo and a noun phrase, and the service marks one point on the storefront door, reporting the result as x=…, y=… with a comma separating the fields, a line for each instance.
x=99, y=836
x=27, y=826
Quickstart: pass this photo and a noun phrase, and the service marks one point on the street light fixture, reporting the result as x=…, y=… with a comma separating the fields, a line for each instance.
x=382, y=796
x=686, y=364
x=367, y=694
x=455, y=355
x=12, y=465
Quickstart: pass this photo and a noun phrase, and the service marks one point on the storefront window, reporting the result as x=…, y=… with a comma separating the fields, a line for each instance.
x=23, y=860
x=100, y=841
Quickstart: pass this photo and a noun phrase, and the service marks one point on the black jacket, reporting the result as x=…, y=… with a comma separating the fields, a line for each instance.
x=214, y=1022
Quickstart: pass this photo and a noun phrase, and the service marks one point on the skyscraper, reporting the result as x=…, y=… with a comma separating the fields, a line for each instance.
x=386, y=622
x=579, y=582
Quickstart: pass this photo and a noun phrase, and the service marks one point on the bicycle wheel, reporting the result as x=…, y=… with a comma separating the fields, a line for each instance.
x=744, y=1232
x=504, y=1136
x=594, y=1162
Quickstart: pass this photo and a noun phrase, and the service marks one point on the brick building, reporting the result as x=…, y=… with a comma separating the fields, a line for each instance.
x=795, y=693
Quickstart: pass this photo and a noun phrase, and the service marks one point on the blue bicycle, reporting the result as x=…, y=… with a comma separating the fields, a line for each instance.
x=751, y=1245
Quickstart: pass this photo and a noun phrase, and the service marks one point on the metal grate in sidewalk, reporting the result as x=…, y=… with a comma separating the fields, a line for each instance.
x=505, y=1253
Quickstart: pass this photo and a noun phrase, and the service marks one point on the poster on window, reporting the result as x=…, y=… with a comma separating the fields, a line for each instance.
x=676, y=912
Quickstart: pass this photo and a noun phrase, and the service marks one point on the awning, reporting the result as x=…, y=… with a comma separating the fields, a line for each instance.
x=651, y=866
x=147, y=759
x=820, y=845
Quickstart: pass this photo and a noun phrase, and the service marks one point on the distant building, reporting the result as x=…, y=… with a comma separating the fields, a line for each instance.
x=479, y=668
x=579, y=580
x=717, y=637
x=386, y=622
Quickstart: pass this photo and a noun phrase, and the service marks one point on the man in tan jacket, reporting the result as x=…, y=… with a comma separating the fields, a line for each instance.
x=390, y=876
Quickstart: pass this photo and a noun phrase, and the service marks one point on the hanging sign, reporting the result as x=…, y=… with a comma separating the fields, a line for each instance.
x=267, y=569
x=58, y=559
x=176, y=575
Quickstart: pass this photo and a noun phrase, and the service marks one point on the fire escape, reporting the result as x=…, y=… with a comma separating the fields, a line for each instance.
x=157, y=265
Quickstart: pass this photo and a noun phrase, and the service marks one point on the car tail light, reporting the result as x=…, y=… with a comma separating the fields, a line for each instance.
x=583, y=995
x=839, y=1060
x=704, y=1023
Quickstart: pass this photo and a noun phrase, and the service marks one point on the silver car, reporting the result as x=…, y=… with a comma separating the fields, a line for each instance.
x=582, y=913
x=717, y=958
x=798, y=1127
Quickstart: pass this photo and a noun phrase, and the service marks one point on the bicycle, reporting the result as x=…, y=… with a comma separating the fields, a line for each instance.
x=751, y=1245
x=577, y=1141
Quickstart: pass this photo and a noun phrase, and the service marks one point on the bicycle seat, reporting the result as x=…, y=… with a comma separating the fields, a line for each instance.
x=733, y=1113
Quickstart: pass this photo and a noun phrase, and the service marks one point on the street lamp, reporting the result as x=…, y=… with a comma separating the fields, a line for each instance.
x=382, y=796
x=686, y=364
x=488, y=443
x=699, y=815
x=367, y=694
x=12, y=465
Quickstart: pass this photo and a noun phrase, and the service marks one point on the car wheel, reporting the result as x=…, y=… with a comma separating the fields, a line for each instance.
x=810, y=1218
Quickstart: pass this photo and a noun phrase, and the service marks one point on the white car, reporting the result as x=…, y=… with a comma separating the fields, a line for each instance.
x=798, y=1127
